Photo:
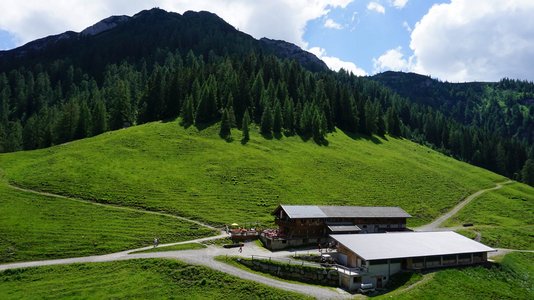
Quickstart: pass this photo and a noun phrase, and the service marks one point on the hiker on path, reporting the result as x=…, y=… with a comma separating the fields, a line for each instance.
x=156, y=242
x=240, y=248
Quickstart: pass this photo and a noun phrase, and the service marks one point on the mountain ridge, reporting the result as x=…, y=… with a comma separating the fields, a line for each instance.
x=65, y=42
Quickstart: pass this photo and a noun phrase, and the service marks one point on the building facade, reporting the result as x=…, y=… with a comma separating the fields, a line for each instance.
x=307, y=225
x=376, y=257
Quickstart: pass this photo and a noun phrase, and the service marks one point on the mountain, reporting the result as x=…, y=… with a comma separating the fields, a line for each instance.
x=119, y=38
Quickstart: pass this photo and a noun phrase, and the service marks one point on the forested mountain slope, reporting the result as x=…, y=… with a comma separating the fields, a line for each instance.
x=157, y=65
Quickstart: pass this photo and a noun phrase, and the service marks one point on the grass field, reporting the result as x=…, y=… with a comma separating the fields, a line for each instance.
x=505, y=217
x=162, y=166
x=137, y=279
x=179, y=247
x=38, y=227
x=513, y=279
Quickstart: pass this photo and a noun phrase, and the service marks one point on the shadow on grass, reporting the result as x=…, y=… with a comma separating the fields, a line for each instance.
x=359, y=136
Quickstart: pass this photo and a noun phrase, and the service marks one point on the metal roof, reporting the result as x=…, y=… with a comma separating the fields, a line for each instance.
x=408, y=244
x=343, y=228
x=303, y=211
x=313, y=211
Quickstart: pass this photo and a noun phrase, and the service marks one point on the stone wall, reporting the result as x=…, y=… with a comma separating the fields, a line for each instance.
x=322, y=276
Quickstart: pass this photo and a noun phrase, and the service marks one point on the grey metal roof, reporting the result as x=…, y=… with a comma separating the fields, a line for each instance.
x=364, y=211
x=303, y=211
x=313, y=211
x=408, y=244
x=343, y=228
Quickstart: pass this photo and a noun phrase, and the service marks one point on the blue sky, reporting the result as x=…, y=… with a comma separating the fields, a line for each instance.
x=453, y=40
x=365, y=34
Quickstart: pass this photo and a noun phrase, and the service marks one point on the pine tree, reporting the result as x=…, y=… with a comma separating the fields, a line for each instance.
x=527, y=173
x=288, y=116
x=207, y=109
x=14, y=137
x=85, y=122
x=188, y=111
x=231, y=112
x=370, y=118
x=393, y=122
x=380, y=124
x=266, y=127
x=244, y=126
x=225, y=131
x=277, y=118
x=100, y=117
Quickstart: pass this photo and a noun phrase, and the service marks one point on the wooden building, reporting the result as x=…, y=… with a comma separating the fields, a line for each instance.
x=373, y=258
x=309, y=224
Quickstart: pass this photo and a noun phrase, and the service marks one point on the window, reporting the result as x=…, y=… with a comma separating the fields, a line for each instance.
x=357, y=279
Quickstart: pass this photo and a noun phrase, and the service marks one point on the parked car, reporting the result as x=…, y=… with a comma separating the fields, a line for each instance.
x=366, y=288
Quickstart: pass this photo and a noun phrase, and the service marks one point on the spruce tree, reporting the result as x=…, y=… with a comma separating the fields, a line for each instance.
x=527, y=173
x=370, y=118
x=225, y=131
x=380, y=124
x=393, y=122
x=277, y=118
x=288, y=115
x=85, y=122
x=266, y=126
x=188, y=111
x=244, y=126
x=100, y=118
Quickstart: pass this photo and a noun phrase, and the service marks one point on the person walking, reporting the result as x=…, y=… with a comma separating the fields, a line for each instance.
x=240, y=248
x=156, y=242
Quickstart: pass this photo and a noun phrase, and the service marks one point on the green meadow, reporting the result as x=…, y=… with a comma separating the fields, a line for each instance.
x=134, y=279
x=36, y=227
x=163, y=167
x=505, y=217
x=511, y=279
x=179, y=247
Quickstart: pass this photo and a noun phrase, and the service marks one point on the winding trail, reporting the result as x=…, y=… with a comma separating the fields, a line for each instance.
x=204, y=257
x=111, y=205
x=436, y=224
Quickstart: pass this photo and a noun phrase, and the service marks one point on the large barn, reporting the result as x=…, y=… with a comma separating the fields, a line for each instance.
x=310, y=224
x=373, y=258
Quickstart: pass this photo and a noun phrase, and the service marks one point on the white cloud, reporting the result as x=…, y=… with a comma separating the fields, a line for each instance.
x=376, y=7
x=337, y=64
x=392, y=59
x=469, y=40
x=398, y=4
x=278, y=19
x=407, y=26
x=331, y=24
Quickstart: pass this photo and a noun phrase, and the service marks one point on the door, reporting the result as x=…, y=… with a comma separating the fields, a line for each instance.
x=379, y=282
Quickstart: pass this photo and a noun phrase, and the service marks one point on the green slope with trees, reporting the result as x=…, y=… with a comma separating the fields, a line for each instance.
x=53, y=92
x=163, y=167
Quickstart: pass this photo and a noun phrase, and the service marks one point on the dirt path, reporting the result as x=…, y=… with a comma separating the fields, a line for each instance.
x=436, y=224
x=111, y=206
x=204, y=257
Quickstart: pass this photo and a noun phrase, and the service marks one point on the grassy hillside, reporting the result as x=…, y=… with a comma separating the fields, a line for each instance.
x=505, y=218
x=162, y=166
x=137, y=279
x=37, y=227
x=510, y=280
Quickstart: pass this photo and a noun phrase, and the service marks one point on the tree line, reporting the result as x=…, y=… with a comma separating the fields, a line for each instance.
x=49, y=104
